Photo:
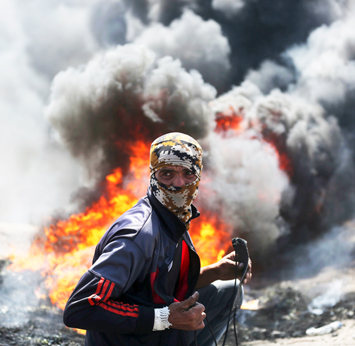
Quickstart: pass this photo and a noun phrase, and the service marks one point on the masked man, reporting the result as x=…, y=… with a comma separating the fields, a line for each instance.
x=141, y=287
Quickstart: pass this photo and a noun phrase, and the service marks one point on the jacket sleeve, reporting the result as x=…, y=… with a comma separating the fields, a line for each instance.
x=94, y=303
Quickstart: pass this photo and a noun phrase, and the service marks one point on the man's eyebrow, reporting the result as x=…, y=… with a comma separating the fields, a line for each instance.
x=166, y=170
x=172, y=170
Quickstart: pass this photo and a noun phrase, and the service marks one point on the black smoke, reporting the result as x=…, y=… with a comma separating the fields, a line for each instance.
x=261, y=30
x=131, y=92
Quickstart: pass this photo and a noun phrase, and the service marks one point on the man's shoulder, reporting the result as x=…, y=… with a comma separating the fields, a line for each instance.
x=131, y=223
x=134, y=218
x=136, y=224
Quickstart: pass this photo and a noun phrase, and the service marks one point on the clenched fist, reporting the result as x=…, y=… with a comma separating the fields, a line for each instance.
x=188, y=314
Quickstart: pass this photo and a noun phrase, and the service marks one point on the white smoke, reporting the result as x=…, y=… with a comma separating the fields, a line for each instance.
x=269, y=76
x=323, y=67
x=292, y=76
x=186, y=88
x=332, y=293
x=318, y=73
x=248, y=199
x=97, y=106
x=37, y=175
x=325, y=64
x=332, y=249
x=198, y=44
x=228, y=7
x=57, y=34
x=253, y=190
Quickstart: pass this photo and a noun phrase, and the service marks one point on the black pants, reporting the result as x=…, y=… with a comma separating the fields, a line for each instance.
x=217, y=299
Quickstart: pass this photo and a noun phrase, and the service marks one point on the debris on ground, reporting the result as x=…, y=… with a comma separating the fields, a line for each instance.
x=44, y=327
x=282, y=312
x=328, y=328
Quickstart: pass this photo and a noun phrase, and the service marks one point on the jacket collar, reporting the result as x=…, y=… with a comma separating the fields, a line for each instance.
x=175, y=228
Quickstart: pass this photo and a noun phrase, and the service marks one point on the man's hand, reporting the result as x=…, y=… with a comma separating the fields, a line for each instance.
x=187, y=315
x=224, y=269
x=249, y=274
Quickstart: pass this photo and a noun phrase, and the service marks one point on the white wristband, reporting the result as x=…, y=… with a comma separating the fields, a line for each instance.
x=161, y=321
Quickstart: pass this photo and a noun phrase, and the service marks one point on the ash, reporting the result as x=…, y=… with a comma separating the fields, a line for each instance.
x=283, y=313
x=45, y=327
x=26, y=320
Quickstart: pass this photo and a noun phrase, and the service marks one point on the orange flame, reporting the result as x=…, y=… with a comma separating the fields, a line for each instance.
x=229, y=119
x=285, y=163
x=234, y=120
x=251, y=305
x=64, y=252
x=210, y=237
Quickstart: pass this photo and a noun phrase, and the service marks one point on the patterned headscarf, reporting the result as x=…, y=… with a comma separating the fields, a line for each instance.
x=176, y=149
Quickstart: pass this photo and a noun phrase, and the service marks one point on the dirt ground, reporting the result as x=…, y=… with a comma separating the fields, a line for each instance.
x=344, y=281
x=345, y=336
x=286, y=310
x=281, y=319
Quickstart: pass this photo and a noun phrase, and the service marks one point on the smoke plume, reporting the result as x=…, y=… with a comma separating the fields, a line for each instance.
x=122, y=96
x=127, y=71
x=207, y=50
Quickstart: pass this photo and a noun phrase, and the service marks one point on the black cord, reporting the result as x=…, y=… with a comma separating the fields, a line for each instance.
x=209, y=326
x=234, y=318
x=235, y=330
x=242, y=245
x=230, y=311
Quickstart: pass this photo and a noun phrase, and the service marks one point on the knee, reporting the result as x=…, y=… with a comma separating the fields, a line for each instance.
x=230, y=292
x=239, y=297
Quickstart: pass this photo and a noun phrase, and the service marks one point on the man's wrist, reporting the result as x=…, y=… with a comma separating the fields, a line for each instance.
x=161, y=319
x=212, y=271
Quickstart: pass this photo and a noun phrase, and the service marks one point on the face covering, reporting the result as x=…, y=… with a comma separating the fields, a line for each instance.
x=176, y=149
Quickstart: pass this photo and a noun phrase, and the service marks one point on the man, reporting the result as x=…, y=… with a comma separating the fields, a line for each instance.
x=141, y=287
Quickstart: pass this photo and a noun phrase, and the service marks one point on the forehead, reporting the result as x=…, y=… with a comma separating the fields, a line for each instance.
x=174, y=168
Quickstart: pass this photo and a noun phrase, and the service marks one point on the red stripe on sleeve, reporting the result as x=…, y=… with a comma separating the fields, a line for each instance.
x=107, y=282
x=124, y=307
x=119, y=312
x=109, y=305
x=109, y=291
x=98, y=289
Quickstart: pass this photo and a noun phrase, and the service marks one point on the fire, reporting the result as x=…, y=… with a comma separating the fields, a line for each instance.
x=251, y=305
x=229, y=119
x=211, y=238
x=285, y=163
x=234, y=120
x=64, y=252
x=65, y=249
